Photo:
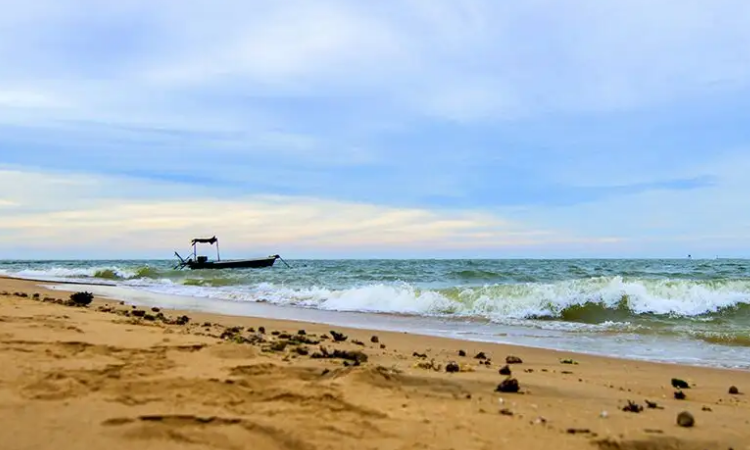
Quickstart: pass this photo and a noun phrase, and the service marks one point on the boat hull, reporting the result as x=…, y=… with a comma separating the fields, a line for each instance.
x=233, y=264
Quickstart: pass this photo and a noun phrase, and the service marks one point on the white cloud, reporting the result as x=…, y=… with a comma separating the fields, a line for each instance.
x=64, y=214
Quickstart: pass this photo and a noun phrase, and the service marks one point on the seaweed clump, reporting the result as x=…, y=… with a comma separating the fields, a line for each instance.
x=82, y=298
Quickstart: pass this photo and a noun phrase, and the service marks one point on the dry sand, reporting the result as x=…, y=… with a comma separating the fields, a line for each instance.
x=97, y=377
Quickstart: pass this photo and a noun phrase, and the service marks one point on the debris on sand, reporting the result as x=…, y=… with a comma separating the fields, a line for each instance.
x=513, y=360
x=480, y=355
x=508, y=385
x=679, y=395
x=355, y=355
x=680, y=384
x=578, y=431
x=461, y=353
x=81, y=298
x=262, y=330
x=734, y=391
x=505, y=370
x=653, y=405
x=155, y=309
x=138, y=313
x=358, y=342
x=568, y=361
x=452, y=367
x=428, y=365
x=338, y=337
x=301, y=332
x=632, y=407
x=506, y=412
x=375, y=340
x=707, y=409
x=419, y=355
x=685, y=419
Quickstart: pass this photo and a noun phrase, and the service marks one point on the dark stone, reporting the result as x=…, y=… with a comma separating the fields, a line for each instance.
x=138, y=313
x=528, y=370
x=680, y=384
x=452, y=367
x=707, y=409
x=155, y=309
x=632, y=407
x=382, y=346
x=653, y=405
x=505, y=370
x=275, y=333
x=508, y=385
x=480, y=355
x=357, y=342
x=304, y=351
x=325, y=372
x=302, y=332
x=262, y=330
x=733, y=390
x=461, y=353
x=338, y=337
x=513, y=360
x=182, y=320
x=286, y=336
x=149, y=317
x=506, y=412
x=206, y=324
x=578, y=431
x=685, y=419
x=82, y=298
x=375, y=340
x=419, y=355
x=679, y=395
x=35, y=296
x=278, y=346
x=355, y=355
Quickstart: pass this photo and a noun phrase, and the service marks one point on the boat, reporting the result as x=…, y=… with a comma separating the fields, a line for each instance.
x=196, y=262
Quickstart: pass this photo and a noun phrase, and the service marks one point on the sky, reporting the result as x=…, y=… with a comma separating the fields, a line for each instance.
x=351, y=129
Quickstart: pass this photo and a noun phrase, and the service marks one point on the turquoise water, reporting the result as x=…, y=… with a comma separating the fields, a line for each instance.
x=692, y=302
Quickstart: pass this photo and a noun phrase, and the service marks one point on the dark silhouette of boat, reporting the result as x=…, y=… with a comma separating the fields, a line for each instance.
x=195, y=261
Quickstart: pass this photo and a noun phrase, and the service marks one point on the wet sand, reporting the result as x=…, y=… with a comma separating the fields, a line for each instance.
x=105, y=376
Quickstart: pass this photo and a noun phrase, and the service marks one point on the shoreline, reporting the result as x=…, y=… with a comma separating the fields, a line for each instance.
x=103, y=375
x=681, y=352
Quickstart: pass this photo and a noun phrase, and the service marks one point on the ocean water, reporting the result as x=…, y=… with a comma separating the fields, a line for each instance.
x=690, y=311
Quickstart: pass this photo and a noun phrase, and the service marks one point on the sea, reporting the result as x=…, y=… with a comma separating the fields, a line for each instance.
x=686, y=311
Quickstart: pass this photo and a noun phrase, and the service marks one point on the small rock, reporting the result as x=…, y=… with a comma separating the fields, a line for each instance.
x=578, y=431
x=679, y=395
x=155, y=309
x=338, y=337
x=480, y=355
x=653, y=405
x=505, y=370
x=685, y=419
x=262, y=330
x=357, y=342
x=452, y=367
x=680, y=384
x=138, y=313
x=513, y=360
x=707, y=409
x=528, y=370
x=382, y=346
x=375, y=340
x=508, y=385
x=733, y=390
x=568, y=361
x=302, y=332
x=632, y=407
x=461, y=353
x=506, y=412
x=207, y=324
x=419, y=355
x=275, y=333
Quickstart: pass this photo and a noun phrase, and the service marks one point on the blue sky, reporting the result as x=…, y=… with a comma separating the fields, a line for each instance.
x=375, y=129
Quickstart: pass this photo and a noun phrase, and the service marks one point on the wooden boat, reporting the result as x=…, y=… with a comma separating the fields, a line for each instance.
x=195, y=261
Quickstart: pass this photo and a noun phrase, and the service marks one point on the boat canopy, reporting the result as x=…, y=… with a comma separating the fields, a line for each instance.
x=211, y=240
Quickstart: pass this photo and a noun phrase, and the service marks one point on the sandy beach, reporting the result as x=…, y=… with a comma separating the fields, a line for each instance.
x=109, y=375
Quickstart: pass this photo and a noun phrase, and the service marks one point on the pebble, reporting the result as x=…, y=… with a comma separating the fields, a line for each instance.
x=733, y=390
x=505, y=370
x=508, y=385
x=685, y=419
x=513, y=360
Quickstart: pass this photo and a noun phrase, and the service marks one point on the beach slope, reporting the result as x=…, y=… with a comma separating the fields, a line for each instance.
x=112, y=376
